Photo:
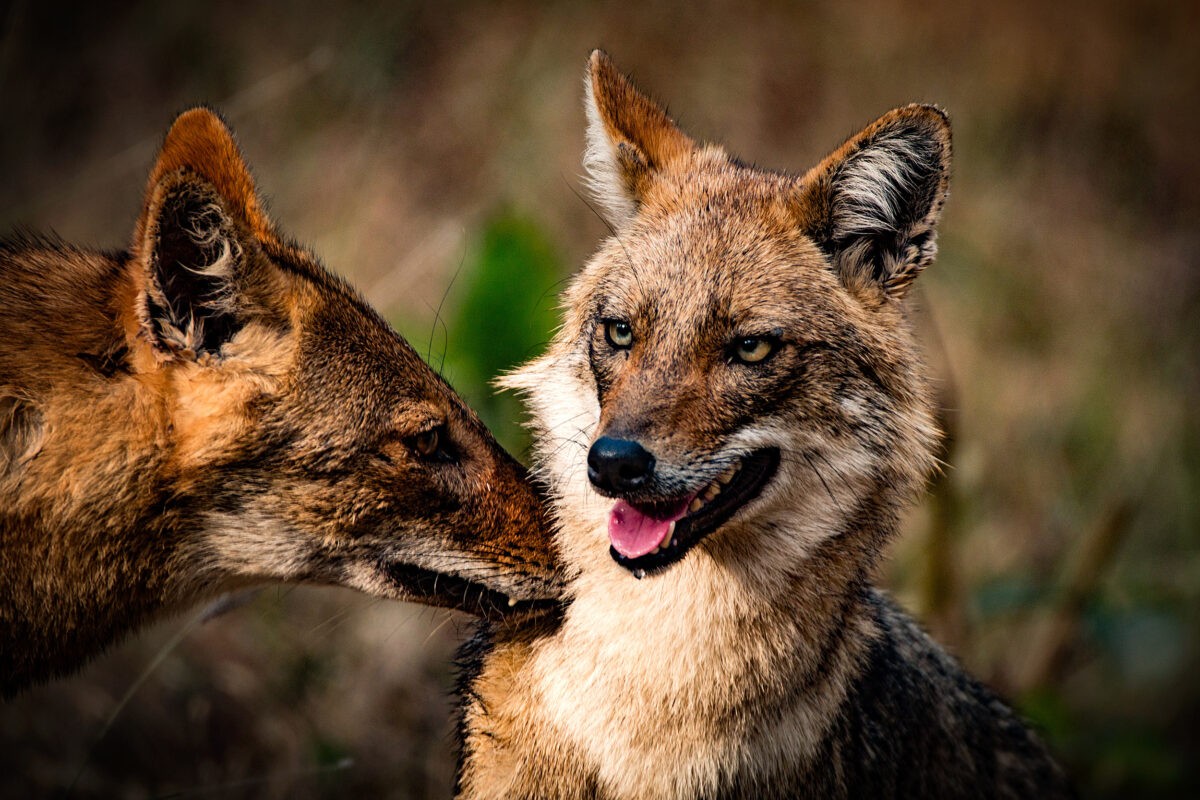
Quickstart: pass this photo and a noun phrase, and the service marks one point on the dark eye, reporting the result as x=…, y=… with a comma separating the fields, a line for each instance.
x=427, y=444
x=619, y=333
x=753, y=349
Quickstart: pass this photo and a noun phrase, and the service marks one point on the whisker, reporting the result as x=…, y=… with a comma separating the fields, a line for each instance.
x=821, y=478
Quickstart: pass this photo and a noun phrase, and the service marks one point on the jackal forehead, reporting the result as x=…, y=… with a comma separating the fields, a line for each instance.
x=717, y=271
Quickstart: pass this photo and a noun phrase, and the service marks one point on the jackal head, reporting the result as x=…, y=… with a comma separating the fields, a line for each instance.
x=735, y=374
x=306, y=436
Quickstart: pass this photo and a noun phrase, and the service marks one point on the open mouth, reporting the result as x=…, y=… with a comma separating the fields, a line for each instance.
x=650, y=536
x=451, y=591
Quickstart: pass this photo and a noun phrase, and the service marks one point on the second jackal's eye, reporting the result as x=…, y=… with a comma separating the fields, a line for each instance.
x=619, y=333
x=752, y=349
x=428, y=443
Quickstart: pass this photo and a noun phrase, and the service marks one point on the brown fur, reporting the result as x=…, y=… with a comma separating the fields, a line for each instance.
x=754, y=660
x=212, y=409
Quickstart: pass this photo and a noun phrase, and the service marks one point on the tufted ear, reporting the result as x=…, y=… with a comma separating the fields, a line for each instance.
x=197, y=236
x=629, y=138
x=873, y=205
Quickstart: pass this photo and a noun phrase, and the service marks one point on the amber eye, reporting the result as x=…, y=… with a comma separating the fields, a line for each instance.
x=426, y=444
x=753, y=349
x=618, y=333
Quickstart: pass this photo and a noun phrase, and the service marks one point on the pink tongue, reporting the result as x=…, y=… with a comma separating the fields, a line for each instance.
x=634, y=534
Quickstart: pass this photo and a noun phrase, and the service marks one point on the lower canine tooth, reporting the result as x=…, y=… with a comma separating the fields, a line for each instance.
x=666, y=540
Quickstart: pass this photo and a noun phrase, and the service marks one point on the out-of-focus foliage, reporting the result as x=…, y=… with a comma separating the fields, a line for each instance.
x=409, y=142
x=505, y=316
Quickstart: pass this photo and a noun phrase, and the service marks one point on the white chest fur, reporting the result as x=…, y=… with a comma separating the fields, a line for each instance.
x=664, y=684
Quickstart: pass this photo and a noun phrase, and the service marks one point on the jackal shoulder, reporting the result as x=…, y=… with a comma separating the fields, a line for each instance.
x=916, y=724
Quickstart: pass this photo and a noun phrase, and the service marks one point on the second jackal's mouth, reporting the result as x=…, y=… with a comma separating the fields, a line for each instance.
x=650, y=536
x=451, y=591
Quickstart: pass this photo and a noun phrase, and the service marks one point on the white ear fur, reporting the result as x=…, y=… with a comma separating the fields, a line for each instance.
x=876, y=186
x=605, y=179
x=886, y=200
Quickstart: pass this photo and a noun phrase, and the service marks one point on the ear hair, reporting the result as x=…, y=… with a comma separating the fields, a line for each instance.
x=201, y=225
x=200, y=142
x=193, y=256
x=605, y=178
x=629, y=138
x=880, y=197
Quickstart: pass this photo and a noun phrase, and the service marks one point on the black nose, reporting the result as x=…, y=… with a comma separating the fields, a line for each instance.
x=619, y=465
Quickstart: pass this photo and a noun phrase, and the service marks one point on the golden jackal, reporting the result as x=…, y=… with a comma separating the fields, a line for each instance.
x=213, y=409
x=734, y=412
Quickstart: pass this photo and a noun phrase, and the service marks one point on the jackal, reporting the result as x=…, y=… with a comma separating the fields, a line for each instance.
x=212, y=409
x=734, y=413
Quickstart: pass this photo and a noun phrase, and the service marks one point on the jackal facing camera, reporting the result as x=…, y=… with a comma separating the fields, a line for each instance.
x=730, y=422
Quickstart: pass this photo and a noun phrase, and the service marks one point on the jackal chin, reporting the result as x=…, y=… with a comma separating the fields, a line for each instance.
x=691, y=517
x=254, y=548
x=488, y=599
x=438, y=575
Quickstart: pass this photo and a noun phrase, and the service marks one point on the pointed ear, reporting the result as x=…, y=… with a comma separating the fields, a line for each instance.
x=873, y=205
x=629, y=138
x=198, y=232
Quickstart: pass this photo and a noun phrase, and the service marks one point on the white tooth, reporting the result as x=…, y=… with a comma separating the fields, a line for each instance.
x=512, y=601
x=666, y=540
x=696, y=504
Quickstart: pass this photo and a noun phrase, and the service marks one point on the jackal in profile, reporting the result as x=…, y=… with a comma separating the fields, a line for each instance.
x=734, y=412
x=212, y=409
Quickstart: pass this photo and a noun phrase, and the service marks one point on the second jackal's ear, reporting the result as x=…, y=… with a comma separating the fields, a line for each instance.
x=629, y=138
x=195, y=240
x=873, y=205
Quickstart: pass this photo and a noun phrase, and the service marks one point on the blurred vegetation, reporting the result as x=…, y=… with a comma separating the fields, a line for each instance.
x=430, y=152
x=502, y=316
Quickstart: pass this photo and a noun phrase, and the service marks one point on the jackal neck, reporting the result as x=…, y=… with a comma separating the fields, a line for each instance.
x=661, y=698
x=107, y=576
x=80, y=522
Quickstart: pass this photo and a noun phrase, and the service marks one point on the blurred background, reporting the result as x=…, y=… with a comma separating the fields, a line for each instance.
x=430, y=153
